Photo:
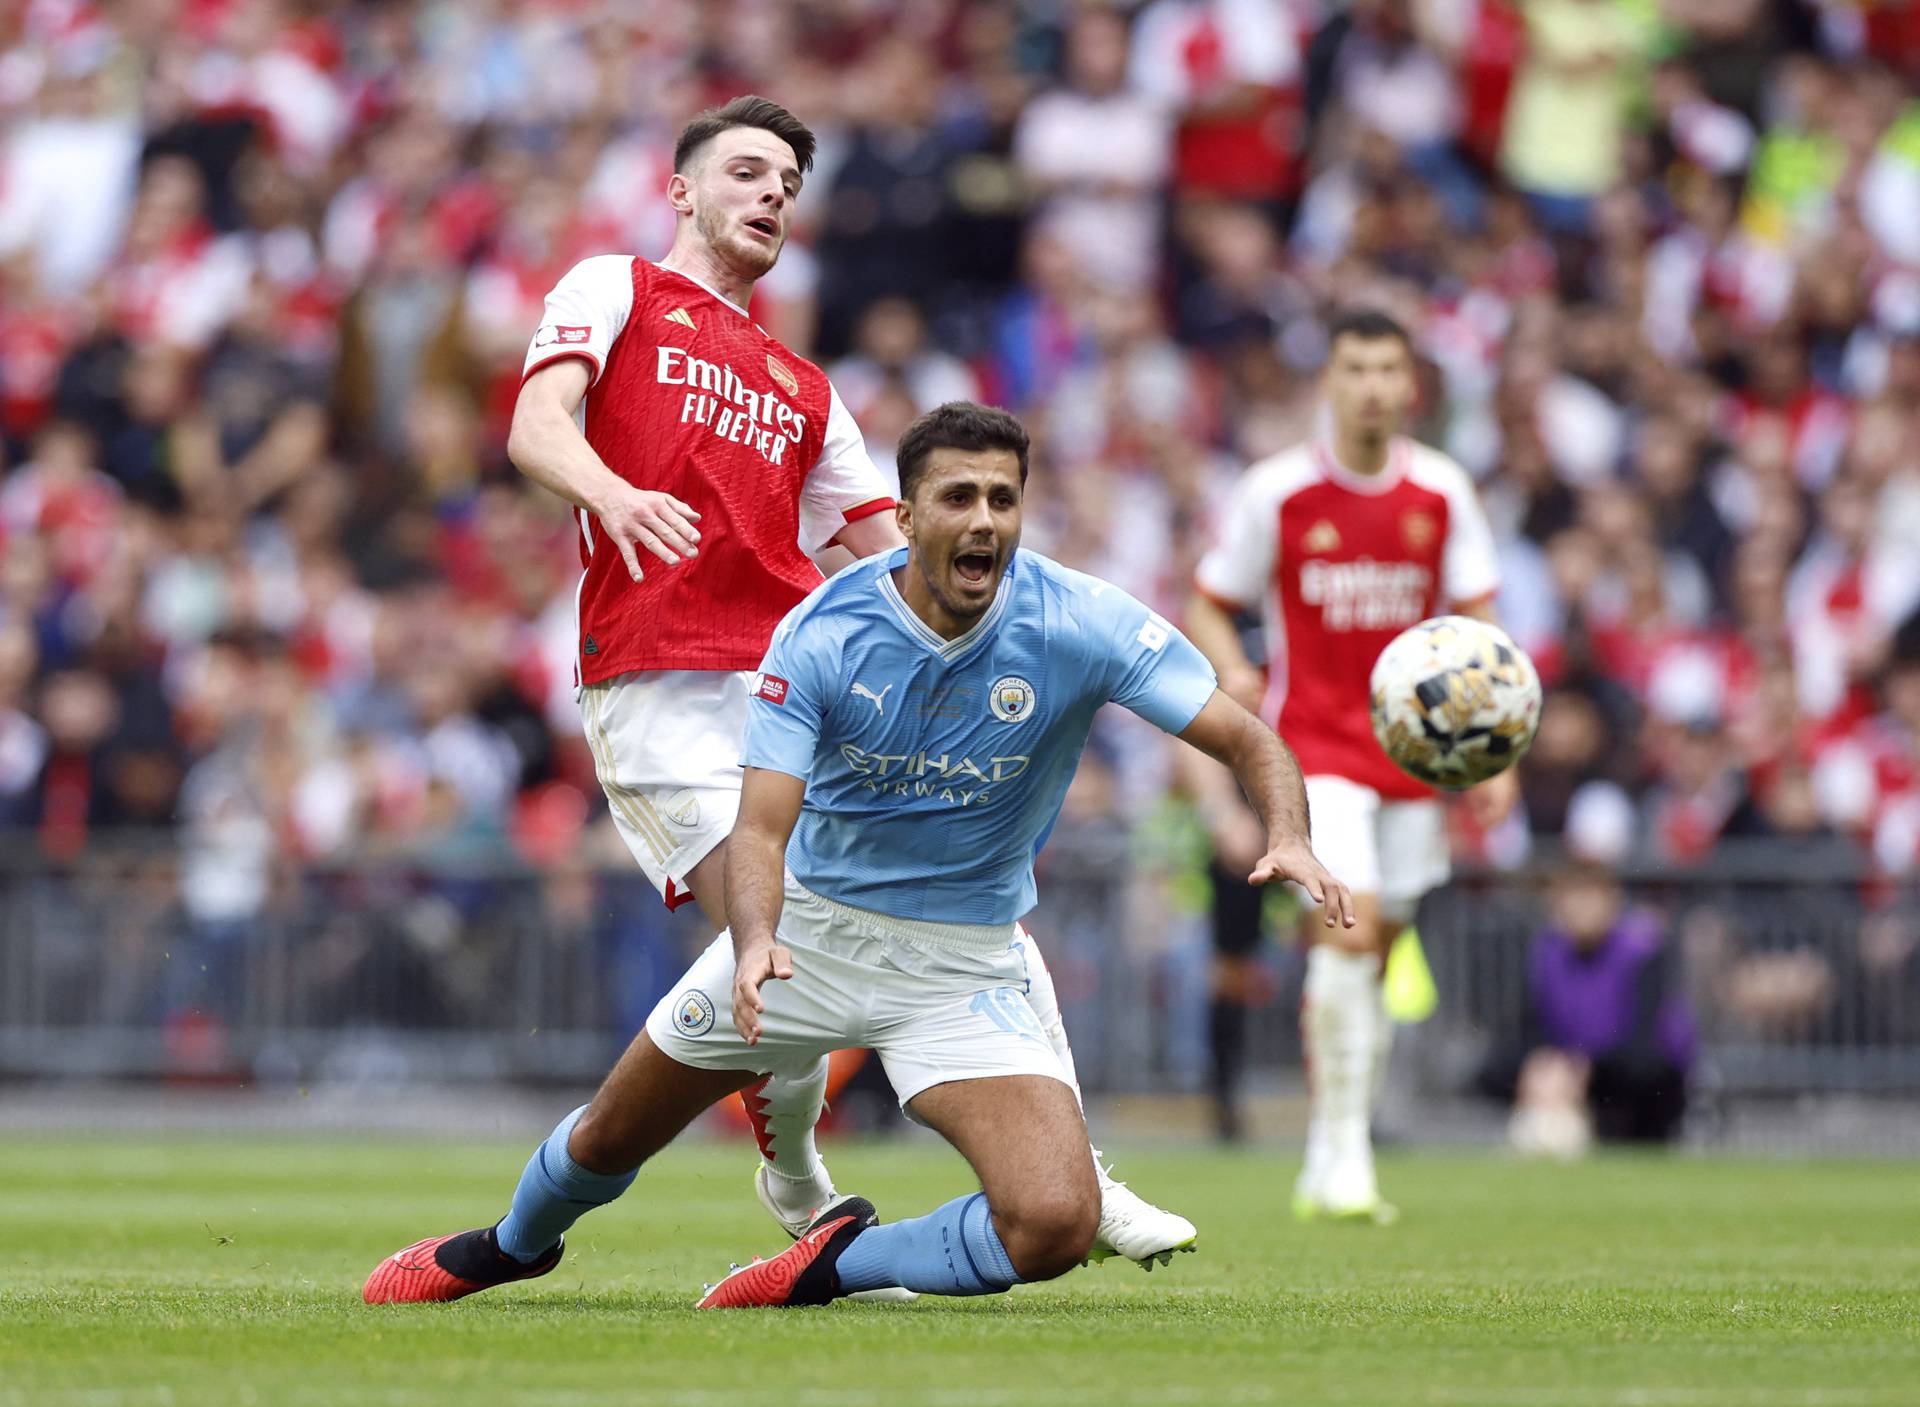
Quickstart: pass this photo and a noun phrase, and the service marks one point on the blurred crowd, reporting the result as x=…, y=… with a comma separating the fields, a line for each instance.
x=268, y=269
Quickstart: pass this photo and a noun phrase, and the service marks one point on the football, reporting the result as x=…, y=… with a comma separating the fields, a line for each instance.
x=1454, y=701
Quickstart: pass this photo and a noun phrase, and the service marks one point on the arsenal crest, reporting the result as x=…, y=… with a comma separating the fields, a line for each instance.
x=786, y=380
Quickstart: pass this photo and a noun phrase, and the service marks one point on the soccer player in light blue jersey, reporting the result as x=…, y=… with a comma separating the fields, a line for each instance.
x=917, y=722
x=909, y=742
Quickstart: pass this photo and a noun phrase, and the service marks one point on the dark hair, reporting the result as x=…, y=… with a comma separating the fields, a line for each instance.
x=957, y=425
x=749, y=110
x=1368, y=324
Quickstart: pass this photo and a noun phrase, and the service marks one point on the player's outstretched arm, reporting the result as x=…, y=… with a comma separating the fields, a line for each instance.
x=546, y=443
x=1269, y=775
x=756, y=882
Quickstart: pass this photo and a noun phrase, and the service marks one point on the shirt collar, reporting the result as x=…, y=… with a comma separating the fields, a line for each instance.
x=1329, y=465
x=703, y=284
x=947, y=650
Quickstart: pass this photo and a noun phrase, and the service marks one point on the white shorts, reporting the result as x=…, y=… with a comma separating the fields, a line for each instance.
x=666, y=745
x=1396, y=849
x=938, y=1001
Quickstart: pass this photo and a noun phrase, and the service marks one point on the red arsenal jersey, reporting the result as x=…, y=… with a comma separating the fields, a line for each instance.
x=690, y=397
x=1340, y=563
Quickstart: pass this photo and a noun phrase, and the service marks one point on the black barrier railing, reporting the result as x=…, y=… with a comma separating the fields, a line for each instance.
x=150, y=956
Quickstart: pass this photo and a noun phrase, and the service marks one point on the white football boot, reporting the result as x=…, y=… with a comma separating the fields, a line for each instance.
x=794, y=1218
x=1133, y=1227
x=1345, y=1191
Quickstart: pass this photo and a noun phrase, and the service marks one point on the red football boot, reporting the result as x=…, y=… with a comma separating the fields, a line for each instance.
x=801, y=1274
x=445, y=1268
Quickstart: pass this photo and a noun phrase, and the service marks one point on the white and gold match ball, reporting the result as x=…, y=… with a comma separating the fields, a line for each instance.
x=1454, y=701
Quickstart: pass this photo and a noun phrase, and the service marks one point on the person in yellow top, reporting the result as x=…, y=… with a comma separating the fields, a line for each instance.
x=1561, y=141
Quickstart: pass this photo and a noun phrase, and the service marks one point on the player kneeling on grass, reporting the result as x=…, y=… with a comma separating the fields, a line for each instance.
x=909, y=743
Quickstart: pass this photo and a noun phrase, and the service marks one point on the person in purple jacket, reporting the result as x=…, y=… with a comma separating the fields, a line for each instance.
x=1606, y=1024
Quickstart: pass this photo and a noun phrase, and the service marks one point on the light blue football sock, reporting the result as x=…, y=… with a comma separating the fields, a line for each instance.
x=553, y=1194
x=952, y=1251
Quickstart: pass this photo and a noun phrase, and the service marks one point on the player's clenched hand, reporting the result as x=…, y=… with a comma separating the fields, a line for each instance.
x=750, y=972
x=636, y=518
x=1294, y=860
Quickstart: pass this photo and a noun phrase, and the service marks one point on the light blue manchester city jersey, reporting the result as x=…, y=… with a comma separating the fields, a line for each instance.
x=935, y=768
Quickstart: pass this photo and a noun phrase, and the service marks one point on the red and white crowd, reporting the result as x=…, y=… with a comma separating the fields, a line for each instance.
x=268, y=269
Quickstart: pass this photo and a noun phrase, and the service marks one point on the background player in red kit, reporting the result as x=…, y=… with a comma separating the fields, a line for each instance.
x=1343, y=543
x=755, y=479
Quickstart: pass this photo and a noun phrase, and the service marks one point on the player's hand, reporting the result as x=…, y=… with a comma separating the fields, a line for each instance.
x=1492, y=801
x=1294, y=860
x=750, y=973
x=659, y=522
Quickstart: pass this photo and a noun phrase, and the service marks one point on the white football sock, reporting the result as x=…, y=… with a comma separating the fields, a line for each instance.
x=1341, y=1026
x=783, y=1110
x=1382, y=1047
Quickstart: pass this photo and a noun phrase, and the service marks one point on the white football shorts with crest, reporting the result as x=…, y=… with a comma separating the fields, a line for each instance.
x=937, y=1001
x=666, y=746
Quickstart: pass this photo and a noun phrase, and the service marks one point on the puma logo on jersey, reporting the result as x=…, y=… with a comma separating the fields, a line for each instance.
x=879, y=699
x=684, y=318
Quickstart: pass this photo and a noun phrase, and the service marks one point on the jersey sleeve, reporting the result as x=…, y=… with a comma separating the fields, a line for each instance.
x=584, y=313
x=1469, y=565
x=844, y=485
x=1150, y=668
x=1236, y=570
x=790, y=696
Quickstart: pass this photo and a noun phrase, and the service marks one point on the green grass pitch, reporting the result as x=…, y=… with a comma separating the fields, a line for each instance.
x=168, y=1272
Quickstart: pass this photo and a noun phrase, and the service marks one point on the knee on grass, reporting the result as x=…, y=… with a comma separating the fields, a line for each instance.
x=1047, y=1235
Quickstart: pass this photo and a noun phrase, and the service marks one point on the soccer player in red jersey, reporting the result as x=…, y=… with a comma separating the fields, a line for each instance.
x=1342, y=543
x=715, y=475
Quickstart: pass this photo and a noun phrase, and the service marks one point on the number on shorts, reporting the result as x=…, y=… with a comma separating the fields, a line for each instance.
x=1008, y=1010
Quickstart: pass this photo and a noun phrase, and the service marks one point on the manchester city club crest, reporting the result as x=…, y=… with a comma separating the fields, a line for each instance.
x=1011, y=699
x=693, y=1014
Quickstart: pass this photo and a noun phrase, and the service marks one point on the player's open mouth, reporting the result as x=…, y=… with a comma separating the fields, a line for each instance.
x=765, y=227
x=973, y=567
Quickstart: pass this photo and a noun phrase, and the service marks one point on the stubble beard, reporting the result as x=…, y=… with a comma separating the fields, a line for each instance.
x=733, y=249
x=963, y=612
x=1374, y=436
